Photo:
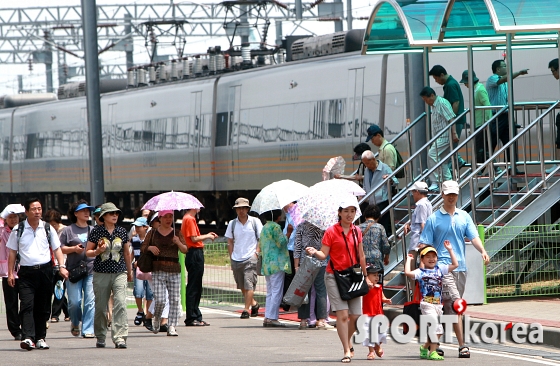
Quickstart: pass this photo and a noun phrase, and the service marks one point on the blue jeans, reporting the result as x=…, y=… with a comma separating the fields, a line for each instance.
x=142, y=289
x=75, y=291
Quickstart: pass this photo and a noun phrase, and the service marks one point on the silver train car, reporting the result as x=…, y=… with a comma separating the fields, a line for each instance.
x=217, y=137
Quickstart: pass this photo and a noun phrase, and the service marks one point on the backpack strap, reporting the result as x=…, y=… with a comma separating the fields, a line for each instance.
x=48, y=232
x=233, y=229
x=254, y=228
x=250, y=218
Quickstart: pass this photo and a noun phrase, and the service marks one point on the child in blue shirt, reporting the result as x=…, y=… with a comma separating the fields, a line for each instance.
x=429, y=277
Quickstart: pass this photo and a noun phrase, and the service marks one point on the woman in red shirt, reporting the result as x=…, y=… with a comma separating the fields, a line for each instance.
x=339, y=242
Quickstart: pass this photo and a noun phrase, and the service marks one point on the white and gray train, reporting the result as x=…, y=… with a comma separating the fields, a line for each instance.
x=216, y=136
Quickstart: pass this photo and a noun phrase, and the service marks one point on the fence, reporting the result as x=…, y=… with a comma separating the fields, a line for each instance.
x=528, y=266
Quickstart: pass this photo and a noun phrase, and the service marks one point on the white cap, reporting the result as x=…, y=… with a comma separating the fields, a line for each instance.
x=348, y=201
x=419, y=186
x=449, y=187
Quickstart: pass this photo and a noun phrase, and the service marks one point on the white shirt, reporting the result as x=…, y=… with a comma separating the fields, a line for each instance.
x=244, y=241
x=33, y=244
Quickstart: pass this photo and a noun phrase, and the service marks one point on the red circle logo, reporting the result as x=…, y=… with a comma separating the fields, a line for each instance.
x=460, y=306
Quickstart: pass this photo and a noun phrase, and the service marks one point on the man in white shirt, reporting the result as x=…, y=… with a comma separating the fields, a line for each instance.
x=35, y=273
x=243, y=245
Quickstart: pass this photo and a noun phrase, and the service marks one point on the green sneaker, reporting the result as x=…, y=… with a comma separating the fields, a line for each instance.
x=424, y=353
x=434, y=356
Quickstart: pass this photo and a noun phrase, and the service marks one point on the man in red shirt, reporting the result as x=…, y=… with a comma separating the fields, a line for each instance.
x=194, y=262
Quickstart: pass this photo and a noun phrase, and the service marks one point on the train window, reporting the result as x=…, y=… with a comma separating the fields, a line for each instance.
x=132, y=202
x=222, y=121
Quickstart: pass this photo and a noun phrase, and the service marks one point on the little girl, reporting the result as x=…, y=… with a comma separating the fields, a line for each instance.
x=372, y=305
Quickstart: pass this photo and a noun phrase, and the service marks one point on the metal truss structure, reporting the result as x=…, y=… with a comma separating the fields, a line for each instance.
x=42, y=29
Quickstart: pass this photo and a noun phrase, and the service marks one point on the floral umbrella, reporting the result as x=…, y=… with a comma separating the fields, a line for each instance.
x=172, y=201
x=340, y=185
x=320, y=207
x=277, y=195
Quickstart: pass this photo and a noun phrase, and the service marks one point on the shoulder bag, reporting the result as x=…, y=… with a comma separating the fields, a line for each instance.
x=351, y=282
x=146, y=260
x=79, y=271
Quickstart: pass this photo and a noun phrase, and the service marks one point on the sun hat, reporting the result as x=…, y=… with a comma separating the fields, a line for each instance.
x=106, y=208
x=373, y=268
x=449, y=187
x=426, y=250
x=241, y=202
x=141, y=221
x=465, y=77
x=164, y=212
x=14, y=208
x=418, y=186
x=82, y=206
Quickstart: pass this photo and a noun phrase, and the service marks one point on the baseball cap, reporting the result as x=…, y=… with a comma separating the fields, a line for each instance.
x=349, y=200
x=164, y=212
x=372, y=131
x=449, y=187
x=241, y=202
x=419, y=186
x=465, y=77
x=426, y=250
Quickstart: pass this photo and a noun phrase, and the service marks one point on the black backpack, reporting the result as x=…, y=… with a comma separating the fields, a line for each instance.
x=400, y=173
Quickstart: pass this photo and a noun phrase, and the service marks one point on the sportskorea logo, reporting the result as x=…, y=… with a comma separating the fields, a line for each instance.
x=489, y=332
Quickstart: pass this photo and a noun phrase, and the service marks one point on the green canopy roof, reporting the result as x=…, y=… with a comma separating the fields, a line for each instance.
x=411, y=25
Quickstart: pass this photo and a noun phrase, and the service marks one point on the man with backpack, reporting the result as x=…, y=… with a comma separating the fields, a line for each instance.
x=388, y=154
x=243, y=235
x=34, y=242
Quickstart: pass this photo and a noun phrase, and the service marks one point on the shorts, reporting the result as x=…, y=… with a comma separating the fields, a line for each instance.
x=245, y=273
x=435, y=311
x=381, y=336
x=353, y=306
x=453, y=289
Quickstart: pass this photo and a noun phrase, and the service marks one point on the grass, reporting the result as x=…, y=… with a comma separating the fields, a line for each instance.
x=216, y=254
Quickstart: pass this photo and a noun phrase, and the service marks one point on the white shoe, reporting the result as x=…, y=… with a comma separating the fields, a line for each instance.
x=171, y=331
x=155, y=324
x=551, y=169
x=41, y=344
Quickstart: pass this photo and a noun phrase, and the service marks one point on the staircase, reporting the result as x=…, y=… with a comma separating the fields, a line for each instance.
x=497, y=201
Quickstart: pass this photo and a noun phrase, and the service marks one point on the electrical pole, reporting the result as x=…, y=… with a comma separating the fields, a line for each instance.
x=338, y=27
x=349, y=14
x=89, y=24
x=129, y=41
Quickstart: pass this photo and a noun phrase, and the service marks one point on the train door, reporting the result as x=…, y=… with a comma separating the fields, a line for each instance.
x=234, y=108
x=83, y=163
x=111, y=171
x=355, y=105
x=196, y=110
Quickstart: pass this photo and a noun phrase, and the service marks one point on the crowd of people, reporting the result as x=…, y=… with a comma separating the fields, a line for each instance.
x=96, y=262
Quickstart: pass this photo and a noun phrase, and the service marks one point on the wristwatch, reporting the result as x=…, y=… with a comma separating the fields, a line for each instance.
x=62, y=266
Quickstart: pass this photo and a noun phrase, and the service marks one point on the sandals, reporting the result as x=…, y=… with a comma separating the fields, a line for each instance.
x=302, y=325
x=464, y=352
x=75, y=330
x=139, y=318
x=435, y=357
x=371, y=356
x=273, y=323
x=379, y=352
x=54, y=320
x=346, y=359
x=196, y=323
x=424, y=352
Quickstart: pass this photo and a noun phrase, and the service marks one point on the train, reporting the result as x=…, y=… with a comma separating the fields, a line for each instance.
x=217, y=135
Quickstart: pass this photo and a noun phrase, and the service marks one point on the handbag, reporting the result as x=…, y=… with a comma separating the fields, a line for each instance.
x=412, y=309
x=351, y=282
x=143, y=276
x=146, y=260
x=303, y=279
x=79, y=272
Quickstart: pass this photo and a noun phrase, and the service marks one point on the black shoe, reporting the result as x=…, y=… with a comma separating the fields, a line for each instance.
x=139, y=318
x=100, y=344
x=163, y=328
x=285, y=306
x=120, y=344
x=148, y=324
x=244, y=314
x=18, y=337
x=255, y=310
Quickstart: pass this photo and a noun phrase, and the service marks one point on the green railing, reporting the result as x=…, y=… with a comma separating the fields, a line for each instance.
x=528, y=266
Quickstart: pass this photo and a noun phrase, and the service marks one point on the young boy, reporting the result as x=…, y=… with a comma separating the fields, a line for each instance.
x=430, y=279
x=372, y=305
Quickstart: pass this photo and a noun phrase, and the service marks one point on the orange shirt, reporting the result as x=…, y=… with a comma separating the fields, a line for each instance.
x=190, y=228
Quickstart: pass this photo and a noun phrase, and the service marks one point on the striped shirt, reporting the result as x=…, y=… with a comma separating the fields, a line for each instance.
x=497, y=93
x=442, y=114
x=307, y=235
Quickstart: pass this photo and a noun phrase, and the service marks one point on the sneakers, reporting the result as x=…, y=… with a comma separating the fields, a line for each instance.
x=244, y=314
x=172, y=332
x=255, y=310
x=100, y=344
x=41, y=344
x=163, y=328
x=155, y=325
x=120, y=344
x=139, y=318
x=27, y=344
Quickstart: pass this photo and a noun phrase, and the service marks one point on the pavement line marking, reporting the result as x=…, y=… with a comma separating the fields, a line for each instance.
x=502, y=354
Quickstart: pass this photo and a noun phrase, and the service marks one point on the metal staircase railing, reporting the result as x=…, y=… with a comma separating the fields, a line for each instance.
x=477, y=188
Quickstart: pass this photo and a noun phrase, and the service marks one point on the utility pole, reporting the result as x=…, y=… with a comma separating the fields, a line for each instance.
x=349, y=13
x=338, y=27
x=48, y=62
x=89, y=24
x=62, y=66
x=129, y=41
